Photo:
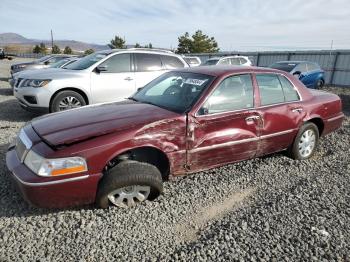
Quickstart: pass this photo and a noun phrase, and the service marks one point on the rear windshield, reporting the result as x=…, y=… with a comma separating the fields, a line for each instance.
x=211, y=62
x=287, y=67
x=86, y=61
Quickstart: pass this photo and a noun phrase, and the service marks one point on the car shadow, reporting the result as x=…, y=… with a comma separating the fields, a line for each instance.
x=11, y=111
x=6, y=92
x=346, y=103
x=4, y=79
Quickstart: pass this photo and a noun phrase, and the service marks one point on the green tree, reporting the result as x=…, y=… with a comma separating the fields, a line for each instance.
x=198, y=43
x=43, y=48
x=89, y=51
x=149, y=45
x=117, y=42
x=137, y=45
x=36, y=49
x=55, y=50
x=67, y=50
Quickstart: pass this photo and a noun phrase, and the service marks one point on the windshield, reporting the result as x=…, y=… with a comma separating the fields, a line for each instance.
x=211, y=62
x=44, y=58
x=287, y=67
x=174, y=91
x=86, y=61
x=59, y=64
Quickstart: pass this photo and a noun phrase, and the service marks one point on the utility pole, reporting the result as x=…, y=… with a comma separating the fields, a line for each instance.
x=51, y=40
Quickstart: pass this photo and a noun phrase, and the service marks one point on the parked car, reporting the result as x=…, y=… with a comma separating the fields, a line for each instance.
x=192, y=60
x=309, y=73
x=105, y=76
x=27, y=73
x=229, y=60
x=43, y=62
x=183, y=122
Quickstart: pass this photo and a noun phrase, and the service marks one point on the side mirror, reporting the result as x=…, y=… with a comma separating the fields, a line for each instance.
x=203, y=111
x=46, y=62
x=101, y=68
x=138, y=89
x=297, y=74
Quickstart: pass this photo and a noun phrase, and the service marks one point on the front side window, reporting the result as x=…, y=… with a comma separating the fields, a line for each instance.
x=171, y=62
x=118, y=63
x=174, y=91
x=224, y=61
x=301, y=68
x=270, y=89
x=147, y=62
x=233, y=93
x=235, y=61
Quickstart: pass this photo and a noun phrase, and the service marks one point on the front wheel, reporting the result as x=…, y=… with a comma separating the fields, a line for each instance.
x=129, y=183
x=65, y=100
x=305, y=142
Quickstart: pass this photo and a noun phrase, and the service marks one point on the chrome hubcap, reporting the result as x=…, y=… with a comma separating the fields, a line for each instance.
x=307, y=143
x=129, y=196
x=69, y=102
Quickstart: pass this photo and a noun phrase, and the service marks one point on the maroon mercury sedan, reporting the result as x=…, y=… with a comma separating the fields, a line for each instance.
x=182, y=122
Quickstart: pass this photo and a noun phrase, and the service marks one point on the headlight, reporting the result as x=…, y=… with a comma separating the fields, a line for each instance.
x=36, y=82
x=54, y=167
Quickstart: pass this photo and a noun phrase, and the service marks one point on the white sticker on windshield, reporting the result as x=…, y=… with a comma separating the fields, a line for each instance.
x=195, y=82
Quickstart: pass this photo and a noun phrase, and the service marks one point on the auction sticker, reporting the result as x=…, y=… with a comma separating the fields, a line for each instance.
x=195, y=82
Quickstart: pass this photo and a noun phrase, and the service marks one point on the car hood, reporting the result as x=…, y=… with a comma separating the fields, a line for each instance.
x=53, y=73
x=72, y=126
x=32, y=73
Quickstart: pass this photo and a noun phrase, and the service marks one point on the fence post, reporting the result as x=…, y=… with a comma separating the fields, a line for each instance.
x=289, y=55
x=333, y=68
x=257, y=59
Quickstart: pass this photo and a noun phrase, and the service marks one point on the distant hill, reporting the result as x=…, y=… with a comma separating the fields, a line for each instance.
x=7, y=39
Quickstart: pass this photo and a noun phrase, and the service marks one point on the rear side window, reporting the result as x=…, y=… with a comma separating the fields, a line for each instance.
x=301, y=68
x=235, y=61
x=290, y=93
x=233, y=93
x=224, y=61
x=243, y=60
x=147, y=62
x=171, y=62
x=270, y=89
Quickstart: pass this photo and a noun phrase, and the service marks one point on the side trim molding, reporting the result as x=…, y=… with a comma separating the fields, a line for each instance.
x=71, y=179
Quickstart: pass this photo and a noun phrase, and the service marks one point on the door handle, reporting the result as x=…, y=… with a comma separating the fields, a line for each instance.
x=128, y=78
x=252, y=118
x=297, y=110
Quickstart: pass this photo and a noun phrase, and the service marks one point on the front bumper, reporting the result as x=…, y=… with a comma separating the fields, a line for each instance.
x=32, y=99
x=51, y=192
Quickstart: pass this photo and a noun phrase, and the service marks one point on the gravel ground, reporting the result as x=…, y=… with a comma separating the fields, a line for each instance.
x=271, y=208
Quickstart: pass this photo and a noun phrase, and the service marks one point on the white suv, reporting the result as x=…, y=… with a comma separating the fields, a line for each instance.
x=105, y=76
x=229, y=60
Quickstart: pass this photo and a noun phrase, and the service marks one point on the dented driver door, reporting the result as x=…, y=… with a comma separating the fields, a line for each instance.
x=225, y=129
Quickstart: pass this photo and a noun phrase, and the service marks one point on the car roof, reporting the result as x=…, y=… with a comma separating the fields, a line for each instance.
x=227, y=69
x=293, y=62
x=138, y=50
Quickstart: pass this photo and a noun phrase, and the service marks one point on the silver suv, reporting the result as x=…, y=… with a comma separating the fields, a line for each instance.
x=104, y=76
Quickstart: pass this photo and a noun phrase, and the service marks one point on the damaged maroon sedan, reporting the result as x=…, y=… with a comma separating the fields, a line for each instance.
x=182, y=122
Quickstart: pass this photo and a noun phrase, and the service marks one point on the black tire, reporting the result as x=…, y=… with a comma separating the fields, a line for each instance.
x=55, y=104
x=319, y=84
x=129, y=173
x=294, y=151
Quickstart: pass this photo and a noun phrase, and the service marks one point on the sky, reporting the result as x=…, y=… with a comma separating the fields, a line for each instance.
x=244, y=25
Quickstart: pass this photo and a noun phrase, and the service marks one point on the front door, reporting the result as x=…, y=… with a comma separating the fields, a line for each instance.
x=116, y=82
x=281, y=112
x=225, y=129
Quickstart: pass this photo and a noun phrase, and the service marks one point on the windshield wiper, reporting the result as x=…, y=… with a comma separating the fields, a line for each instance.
x=133, y=99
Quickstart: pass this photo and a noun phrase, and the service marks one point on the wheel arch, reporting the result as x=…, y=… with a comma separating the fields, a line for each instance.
x=79, y=91
x=318, y=122
x=147, y=154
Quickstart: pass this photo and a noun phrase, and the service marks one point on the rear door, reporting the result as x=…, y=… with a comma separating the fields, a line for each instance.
x=147, y=67
x=225, y=129
x=116, y=83
x=281, y=112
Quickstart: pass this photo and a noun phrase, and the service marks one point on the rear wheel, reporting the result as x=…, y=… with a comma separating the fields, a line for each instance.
x=319, y=84
x=65, y=100
x=129, y=183
x=305, y=142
